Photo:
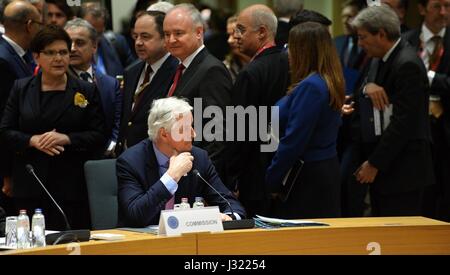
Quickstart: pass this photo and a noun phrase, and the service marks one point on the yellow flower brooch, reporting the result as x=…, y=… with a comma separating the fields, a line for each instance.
x=80, y=100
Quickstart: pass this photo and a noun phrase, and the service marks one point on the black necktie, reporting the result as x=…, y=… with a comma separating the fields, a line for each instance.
x=85, y=76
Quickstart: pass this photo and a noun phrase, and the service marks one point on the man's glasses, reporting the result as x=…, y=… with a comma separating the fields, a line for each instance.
x=53, y=53
x=40, y=24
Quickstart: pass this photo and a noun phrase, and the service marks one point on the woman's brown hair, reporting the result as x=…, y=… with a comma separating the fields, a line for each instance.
x=311, y=49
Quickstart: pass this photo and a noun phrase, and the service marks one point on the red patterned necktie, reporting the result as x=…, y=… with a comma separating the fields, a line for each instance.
x=176, y=79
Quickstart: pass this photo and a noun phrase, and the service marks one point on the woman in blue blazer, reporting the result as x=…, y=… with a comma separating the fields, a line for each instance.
x=53, y=122
x=309, y=119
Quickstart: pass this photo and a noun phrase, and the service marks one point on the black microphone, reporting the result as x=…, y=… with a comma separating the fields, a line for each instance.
x=234, y=224
x=64, y=236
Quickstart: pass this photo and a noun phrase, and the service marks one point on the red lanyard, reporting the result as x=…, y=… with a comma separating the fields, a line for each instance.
x=267, y=46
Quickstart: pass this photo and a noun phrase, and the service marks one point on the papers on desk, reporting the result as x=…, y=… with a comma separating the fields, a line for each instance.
x=151, y=229
x=265, y=222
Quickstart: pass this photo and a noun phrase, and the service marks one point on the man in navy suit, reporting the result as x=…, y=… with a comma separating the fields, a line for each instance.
x=84, y=45
x=155, y=173
x=21, y=21
x=145, y=81
x=113, y=54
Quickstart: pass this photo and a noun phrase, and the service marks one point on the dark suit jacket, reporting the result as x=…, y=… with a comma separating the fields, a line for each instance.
x=261, y=83
x=63, y=174
x=403, y=155
x=11, y=68
x=282, y=36
x=441, y=82
x=111, y=58
x=142, y=195
x=133, y=125
x=111, y=98
x=207, y=78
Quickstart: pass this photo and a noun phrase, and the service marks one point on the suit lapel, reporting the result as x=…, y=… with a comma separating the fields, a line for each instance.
x=134, y=76
x=189, y=74
x=24, y=70
x=71, y=88
x=443, y=66
x=33, y=97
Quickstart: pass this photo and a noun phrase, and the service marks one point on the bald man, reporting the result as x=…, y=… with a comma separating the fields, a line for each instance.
x=261, y=83
x=21, y=21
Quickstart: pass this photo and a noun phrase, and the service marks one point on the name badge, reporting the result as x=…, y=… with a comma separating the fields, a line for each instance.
x=177, y=222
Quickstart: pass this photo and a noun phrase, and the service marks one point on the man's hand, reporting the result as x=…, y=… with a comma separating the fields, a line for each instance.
x=180, y=165
x=366, y=173
x=347, y=109
x=378, y=96
x=225, y=217
x=7, y=188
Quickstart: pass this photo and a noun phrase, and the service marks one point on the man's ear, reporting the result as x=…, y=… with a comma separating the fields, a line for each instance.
x=262, y=32
x=199, y=32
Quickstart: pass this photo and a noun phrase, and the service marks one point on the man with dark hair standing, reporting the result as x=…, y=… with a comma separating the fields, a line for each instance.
x=398, y=162
x=58, y=12
x=432, y=42
x=113, y=53
x=84, y=46
x=261, y=83
x=146, y=80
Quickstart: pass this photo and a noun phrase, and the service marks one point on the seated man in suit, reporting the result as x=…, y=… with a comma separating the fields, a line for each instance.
x=84, y=46
x=155, y=173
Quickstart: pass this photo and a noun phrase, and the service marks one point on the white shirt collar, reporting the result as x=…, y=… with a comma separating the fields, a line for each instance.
x=190, y=58
x=155, y=66
x=18, y=49
x=427, y=34
x=388, y=54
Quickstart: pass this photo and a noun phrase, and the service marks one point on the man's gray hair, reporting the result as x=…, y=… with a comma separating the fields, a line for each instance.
x=193, y=12
x=164, y=7
x=81, y=23
x=265, y=17
x=164, y=114
x=287, y=8
x=376, y=18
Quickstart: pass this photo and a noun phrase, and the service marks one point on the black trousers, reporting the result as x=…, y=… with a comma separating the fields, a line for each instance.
x=317, y=194
x=396, y=205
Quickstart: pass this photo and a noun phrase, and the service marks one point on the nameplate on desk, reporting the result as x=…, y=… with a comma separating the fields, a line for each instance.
x=177, y=222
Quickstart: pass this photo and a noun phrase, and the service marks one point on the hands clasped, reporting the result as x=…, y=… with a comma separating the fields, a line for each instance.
x=51, y=143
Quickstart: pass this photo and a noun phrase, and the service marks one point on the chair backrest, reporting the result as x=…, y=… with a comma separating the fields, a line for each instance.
x=101, y=184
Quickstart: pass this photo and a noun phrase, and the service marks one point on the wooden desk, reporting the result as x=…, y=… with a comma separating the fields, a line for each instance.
x=408, y=235
x=133, y=244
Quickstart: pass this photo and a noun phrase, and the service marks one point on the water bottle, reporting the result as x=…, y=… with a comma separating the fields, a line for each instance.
x=198, y=203
x=23, y=230
x=38, y=228
x=184, y=204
